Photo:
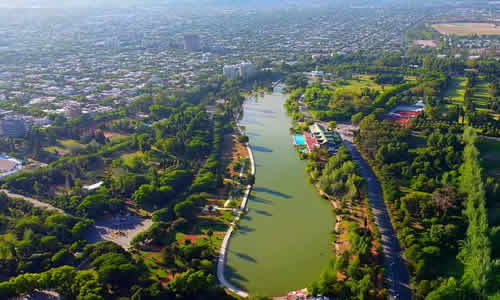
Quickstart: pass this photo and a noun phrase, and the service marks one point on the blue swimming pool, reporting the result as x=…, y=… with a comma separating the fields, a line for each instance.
x=299, y=140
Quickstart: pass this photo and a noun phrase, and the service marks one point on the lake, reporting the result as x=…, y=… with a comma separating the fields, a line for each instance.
x=284, y=242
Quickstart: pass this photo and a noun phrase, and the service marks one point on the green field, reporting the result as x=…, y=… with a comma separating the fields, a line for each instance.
x=456, y=90
x=65, y=146
x=361, y=81
x=129, y=158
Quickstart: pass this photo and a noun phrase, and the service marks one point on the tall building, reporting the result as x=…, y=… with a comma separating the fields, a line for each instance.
x=243, y=70
x=246, y=69
x=231, y=71
x=192, y=42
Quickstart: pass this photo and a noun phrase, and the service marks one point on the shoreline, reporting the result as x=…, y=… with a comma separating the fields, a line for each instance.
x=225, y=243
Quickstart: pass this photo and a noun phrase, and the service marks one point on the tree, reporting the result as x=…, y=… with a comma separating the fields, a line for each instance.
x=144, y=142
x=159, y=111
x=116, y=269
x=449, y=289
x=192, y=283
x=476, y=249
x=444, y=198
x=185, y=209
x=4, y=201
x=243, y=139
x=162, y=215
x=149, y=195
x=332, y=125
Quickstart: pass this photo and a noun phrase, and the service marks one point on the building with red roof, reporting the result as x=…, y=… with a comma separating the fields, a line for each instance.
x=311, y=142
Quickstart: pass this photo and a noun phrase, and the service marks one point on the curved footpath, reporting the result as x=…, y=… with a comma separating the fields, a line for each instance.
x=396, y=271
x=35, y=202
x=225, y=243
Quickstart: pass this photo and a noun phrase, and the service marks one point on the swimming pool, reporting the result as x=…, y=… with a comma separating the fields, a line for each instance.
x=299, y=140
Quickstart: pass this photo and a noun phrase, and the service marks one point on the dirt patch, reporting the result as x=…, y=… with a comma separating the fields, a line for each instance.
x=426, y=43
x=468, y=28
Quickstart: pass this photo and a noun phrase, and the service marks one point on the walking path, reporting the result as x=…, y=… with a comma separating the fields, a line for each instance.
x=35, y=202
x=396, y=270
x=225, y=243
x=108, y=229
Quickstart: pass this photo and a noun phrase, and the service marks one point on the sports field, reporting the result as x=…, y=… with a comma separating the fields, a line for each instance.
x=468, y=28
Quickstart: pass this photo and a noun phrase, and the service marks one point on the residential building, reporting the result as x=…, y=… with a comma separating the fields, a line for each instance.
x=244, y=70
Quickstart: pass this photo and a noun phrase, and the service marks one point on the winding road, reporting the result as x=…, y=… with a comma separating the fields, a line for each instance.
x=396, y=271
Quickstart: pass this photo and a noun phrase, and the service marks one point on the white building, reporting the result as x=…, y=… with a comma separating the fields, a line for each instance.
x=231, y=71
x=247, y=69
x=244, y=70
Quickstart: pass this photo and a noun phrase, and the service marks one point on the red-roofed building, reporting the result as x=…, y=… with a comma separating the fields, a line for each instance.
x=311, y=142
x=409, y=114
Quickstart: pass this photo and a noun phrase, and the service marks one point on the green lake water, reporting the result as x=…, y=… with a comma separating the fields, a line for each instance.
x=283, y=243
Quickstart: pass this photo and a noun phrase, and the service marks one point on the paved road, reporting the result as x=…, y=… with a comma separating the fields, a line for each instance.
x=396, y=271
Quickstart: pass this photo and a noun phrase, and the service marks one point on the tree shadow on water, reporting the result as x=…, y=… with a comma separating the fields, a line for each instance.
x=272, y=192
x=261, y=149
x=261, y=200
x=232, y=275
x=245, y=257
x=263, y=212
x=243, y=229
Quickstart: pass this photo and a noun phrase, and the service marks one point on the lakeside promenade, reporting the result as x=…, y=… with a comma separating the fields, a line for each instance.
x=225, y=243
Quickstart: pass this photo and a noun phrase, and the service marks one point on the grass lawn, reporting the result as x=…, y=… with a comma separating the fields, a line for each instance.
x=157, y=272
x=411, y=78
x=205, y=224
x=64, y=147
x=456, y=90
x=128, y=158
x=481, y=95
x=71, y=144
x=59, y=150
x=408, y=190
x=361, y=81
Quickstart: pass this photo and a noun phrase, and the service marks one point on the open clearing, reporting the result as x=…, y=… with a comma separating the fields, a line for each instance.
x=467, y=28
x=64, y=147
x=359, y=82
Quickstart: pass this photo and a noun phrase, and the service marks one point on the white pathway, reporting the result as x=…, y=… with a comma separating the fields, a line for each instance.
x=225, y=243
